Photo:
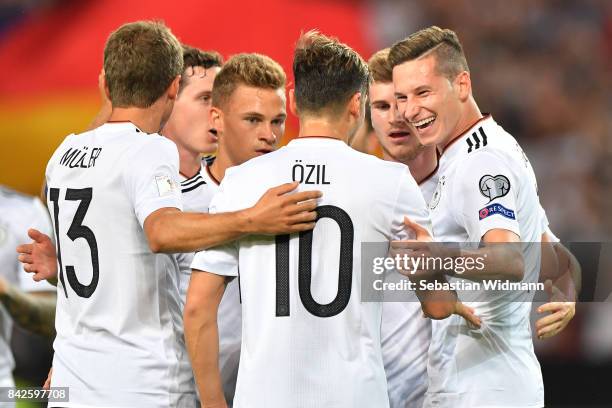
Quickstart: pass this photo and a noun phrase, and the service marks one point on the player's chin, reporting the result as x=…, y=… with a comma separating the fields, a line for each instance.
x=208, y=148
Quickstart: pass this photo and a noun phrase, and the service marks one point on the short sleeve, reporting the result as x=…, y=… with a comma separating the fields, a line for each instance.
x=152, y=178
x=409, y=203
x=37, y=218
x=222, y=259
x=487, y=194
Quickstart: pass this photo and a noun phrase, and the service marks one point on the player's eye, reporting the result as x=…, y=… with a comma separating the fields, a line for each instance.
x=382, y=106
x=424, y=92
x=253, y=120
x=278, y=122
x=205, y=98
x=401, y=98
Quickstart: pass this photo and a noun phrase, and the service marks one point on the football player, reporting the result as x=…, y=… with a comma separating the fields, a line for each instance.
x=307, y=339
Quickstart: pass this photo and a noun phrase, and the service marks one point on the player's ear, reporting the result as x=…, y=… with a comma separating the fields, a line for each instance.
x=174, y=88
x=292, y=104
x=463, y=83
x=216, y=119
x=354, y=106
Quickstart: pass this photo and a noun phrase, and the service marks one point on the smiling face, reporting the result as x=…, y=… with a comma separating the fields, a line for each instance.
x=189, y=124
x=428, y=100
x=396, y=137
x=251, y=122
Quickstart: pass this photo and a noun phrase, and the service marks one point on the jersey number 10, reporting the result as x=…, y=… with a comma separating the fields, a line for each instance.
x=345, y=274
x=76, y=230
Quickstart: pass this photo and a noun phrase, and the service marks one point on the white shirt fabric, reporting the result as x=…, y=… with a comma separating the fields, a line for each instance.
x=486, y=182
x=18, y=213
x=198, y=192
x=317, y=344
x=119, y=338
x=405, y=338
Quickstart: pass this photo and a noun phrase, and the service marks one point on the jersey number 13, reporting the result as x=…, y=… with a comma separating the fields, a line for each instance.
x=76, y=230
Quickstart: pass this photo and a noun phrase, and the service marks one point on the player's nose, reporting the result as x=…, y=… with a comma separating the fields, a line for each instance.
x=268, y=135
x=397, y=117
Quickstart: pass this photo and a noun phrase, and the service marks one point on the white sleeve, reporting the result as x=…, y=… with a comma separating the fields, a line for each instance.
x=545, y=226
x=152, y=179
x=38, y=218
x=486, y=192
x=222, y=259
x=409, y=203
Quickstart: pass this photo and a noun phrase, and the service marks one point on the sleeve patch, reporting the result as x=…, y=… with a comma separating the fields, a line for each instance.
x=165, y=185
x=494, y=187
x=493, y=209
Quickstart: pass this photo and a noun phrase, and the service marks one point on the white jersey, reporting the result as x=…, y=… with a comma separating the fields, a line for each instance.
x=198, y=192
x=118, y=320
x=18, y=213
x=485, y=182
x=307, y=339
x=405, y=338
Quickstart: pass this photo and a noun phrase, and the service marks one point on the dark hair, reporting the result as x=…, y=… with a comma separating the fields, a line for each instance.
x=195, y=57
x=442, y=43
x=327, y=73
x=141, y=60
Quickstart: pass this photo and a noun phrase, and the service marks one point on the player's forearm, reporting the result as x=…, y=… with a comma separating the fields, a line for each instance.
x=570, y=280
x=35, y=313
x=189, y=232
x=436, y=304
x=201, y=336
x=499, y=261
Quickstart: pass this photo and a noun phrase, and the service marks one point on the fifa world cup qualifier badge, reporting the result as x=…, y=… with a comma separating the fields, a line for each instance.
x=165, y=185
x=494, y=187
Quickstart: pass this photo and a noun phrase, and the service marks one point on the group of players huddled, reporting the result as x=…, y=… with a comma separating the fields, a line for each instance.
x=236, y=279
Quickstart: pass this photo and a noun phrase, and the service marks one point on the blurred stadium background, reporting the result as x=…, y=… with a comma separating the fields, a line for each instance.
x=543, y=68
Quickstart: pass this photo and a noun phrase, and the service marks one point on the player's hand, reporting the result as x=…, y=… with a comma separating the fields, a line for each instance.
x=560, y=313
x=3, y=285
x=47, y=384
x=279, y=211
x=421, y=234
x=38, y=256
x=468, y=314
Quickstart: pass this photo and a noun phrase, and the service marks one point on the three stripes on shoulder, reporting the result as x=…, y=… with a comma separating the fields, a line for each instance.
x=476, y=140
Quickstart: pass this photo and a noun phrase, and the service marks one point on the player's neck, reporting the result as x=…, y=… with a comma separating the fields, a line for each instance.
x=222, y=162
x=423, y=164
x=146, y=119
x=189, y=163
x=324, y=127
x=470, y=115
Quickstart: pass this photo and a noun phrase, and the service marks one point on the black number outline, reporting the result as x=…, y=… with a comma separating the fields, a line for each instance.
x=77, y=230
x=345, y=272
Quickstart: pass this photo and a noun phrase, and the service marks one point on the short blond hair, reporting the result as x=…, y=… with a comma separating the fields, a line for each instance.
x=380, y=69
x=254, y=70
x=141, y=59
x=442, y=43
